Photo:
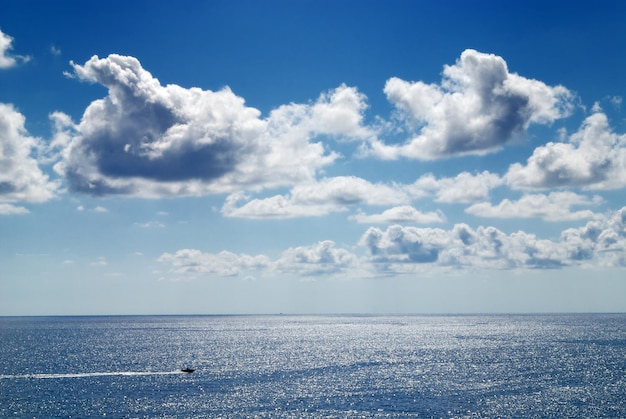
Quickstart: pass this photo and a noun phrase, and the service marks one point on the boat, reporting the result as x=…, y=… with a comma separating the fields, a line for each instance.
x=187, y=370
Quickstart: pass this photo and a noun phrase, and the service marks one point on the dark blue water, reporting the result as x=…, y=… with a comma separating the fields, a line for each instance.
x=314, y=366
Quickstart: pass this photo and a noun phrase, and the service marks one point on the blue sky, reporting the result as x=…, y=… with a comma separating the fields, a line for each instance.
x=312, y=157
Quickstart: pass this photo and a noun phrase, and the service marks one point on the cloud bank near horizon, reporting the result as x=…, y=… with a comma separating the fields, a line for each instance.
x=401, y=249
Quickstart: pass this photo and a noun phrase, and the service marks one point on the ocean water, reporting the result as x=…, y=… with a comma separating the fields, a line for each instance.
x=564, y=366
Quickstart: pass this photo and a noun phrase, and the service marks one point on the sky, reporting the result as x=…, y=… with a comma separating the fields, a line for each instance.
x=240, y=157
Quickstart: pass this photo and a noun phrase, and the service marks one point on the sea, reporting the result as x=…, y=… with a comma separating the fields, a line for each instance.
x=320, y=366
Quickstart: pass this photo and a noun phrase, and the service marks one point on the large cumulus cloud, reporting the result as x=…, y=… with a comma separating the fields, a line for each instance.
x=152, y=140
x=478, y=107
x=21, y=178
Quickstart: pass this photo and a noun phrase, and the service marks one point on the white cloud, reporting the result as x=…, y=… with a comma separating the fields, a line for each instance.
x=21, y=178
x=404, y=249
x=594, y=158
x=404, y=244
x=316, y=199
x=616, y=101
x=404, y=214
x=604, y=239
x=8, y=60
x=322, y=258
x=346, y=190
x=486, y=247
x=99, y=209
x=338, y=112
x=150, y=224
x=145, y=139
x=478, y=107
x=555, y=206
x=63, y=130
x=8, y=209
x=407, y=249
x=277, y=207
x=463, y=188
x=194, y=262
x=100, y=262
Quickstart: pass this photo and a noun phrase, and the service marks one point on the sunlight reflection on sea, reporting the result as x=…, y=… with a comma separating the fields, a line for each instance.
x=314, y=366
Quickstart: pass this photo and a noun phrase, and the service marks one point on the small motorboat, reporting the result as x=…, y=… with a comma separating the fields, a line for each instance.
x=187, y=370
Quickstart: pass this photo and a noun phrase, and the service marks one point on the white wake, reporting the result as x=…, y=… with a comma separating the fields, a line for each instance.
x=90, y=374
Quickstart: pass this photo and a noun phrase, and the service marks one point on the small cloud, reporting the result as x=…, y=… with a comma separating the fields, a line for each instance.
x=319, y=198
x=68, y=262
x=150, y=224
x=275, y=207
x=8, y=209
x=615, y=101
x=463, y=188
x=22, y=178
x=596, y=107
x=101, y=261
x=163, y=213
x=9, y=60
x=54, y=50
x=100, y=209
x=400, y=215
x=555, y=206
x=224, y=264
x=322, y=258
x=138, y=254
